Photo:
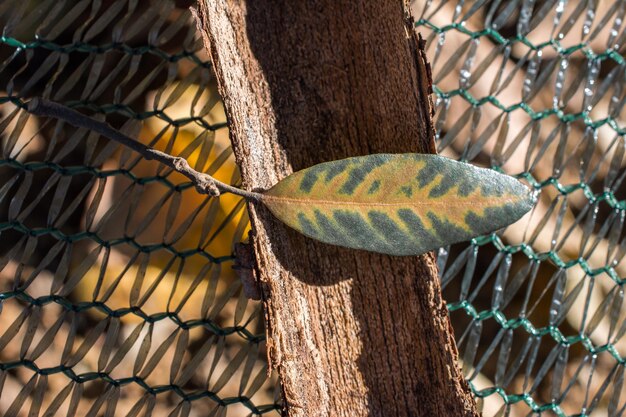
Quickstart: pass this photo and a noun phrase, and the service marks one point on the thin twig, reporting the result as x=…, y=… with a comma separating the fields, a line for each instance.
x=204, y=183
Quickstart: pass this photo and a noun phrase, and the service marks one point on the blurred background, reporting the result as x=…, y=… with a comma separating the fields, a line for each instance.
x=117, y=292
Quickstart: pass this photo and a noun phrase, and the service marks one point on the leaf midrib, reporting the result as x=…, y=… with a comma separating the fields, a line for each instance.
x=485, y=201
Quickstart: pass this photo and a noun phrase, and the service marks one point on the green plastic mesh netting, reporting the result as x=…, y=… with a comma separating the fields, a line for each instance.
x=116, y=283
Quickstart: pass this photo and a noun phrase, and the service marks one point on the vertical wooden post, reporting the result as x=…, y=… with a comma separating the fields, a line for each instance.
x=306, y=81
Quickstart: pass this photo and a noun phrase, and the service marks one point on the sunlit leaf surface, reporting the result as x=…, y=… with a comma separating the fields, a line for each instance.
x=404, y=204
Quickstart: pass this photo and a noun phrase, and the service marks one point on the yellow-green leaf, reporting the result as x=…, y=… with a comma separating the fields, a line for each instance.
x=399, y=204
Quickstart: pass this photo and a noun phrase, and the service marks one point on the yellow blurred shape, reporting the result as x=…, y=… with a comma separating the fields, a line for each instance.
x=219, y=224
x=135, y=283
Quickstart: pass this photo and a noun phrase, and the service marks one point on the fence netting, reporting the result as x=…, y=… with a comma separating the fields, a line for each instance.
x=117, y=291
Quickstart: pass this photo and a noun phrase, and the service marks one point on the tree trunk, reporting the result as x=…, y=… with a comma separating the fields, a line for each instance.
x=350, y=333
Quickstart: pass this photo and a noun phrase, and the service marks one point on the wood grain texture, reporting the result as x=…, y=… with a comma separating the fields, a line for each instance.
x=350, y=333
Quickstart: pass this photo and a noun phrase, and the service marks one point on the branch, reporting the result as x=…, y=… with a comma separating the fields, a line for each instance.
x=205, y=184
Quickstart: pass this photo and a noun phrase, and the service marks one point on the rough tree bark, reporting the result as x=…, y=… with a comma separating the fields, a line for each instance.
x=350, y=333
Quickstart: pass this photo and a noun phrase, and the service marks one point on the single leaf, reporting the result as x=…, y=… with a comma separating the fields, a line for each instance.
x=398, y=204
